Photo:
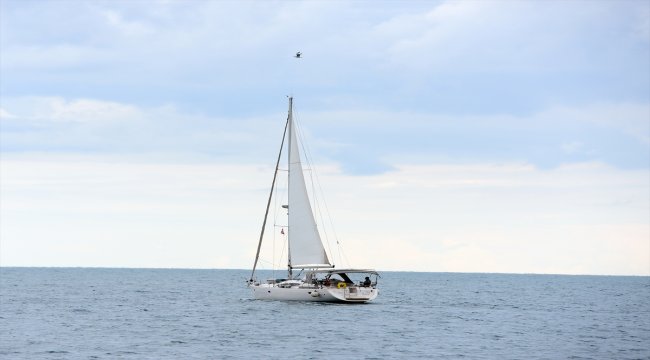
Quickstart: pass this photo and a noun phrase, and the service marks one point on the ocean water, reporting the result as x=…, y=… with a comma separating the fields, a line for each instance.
x=57, y=313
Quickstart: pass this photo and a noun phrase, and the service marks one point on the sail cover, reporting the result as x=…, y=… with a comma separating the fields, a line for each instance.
x=305, y=245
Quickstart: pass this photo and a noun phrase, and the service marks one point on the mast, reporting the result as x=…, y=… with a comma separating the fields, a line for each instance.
x=268, y=204
x=290, y=123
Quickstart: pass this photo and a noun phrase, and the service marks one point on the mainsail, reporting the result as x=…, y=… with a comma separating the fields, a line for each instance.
x=305, y=245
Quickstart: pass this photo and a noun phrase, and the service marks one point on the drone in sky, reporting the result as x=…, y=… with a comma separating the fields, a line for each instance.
x=298, y=55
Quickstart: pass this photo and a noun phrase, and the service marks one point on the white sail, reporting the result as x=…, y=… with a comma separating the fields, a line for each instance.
x=305, y=245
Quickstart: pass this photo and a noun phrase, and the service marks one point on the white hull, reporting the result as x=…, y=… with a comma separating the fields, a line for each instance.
x=352, y=294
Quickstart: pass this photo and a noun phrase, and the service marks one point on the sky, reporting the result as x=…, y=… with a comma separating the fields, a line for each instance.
x=448, y=136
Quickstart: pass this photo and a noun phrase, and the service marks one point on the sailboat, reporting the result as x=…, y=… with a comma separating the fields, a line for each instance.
x=311, y=276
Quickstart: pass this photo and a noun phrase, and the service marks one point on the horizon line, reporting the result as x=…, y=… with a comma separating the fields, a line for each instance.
x=241, y=269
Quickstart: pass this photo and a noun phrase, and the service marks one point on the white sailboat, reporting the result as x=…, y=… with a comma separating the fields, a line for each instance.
x=317, y=278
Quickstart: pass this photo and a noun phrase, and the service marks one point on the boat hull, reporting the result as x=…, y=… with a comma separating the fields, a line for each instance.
x=320, y=294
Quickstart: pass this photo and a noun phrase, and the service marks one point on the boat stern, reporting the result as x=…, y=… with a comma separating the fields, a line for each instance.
x=353, y=293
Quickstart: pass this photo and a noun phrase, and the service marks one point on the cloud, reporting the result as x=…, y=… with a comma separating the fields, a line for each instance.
x=627, y=118
x=58, y=109
x=58, y=125
x=615, y=133
x=462, y=128
x=506, y=36
x=128, y=28
x=4, y=114
x=509, y=218
x=455, y=57
x=586, y=218
x=362, y=141
x=125, y=213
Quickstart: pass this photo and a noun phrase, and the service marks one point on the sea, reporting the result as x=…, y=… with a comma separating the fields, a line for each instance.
x=93, y=313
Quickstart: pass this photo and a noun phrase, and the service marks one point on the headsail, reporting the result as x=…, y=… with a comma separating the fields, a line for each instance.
x=305, y=245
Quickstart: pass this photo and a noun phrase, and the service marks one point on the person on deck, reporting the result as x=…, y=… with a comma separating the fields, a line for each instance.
x=367, y=282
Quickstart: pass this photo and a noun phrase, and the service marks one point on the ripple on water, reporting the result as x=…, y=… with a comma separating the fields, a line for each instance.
x=191, y=314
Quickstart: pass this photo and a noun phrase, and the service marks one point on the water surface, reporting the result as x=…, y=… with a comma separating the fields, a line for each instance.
x=77, y=313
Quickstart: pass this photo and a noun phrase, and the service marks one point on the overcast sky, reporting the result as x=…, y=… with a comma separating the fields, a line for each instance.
x=471, y=136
